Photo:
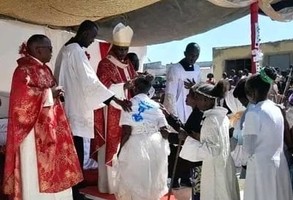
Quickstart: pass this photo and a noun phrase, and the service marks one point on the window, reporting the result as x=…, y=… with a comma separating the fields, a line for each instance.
x=237, y=64
x=281, y=61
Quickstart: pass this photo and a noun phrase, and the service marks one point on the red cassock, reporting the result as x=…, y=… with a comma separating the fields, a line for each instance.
x=107, y=129
x=57, y=161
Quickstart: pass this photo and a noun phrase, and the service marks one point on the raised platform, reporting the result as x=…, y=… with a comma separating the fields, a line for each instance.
x=92, y=192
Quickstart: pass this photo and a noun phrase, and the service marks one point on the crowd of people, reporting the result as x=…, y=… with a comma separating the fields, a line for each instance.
x=141, y=144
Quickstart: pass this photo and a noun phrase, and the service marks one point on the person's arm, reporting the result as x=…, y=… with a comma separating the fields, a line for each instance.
x=250, y=130
x=126, y=132
x=195, y=135
x=172, y=120
x=171, y=91
x=164, y=132
x=210, y=145
x=125, y=104
x=126, y=124
x=94, y=92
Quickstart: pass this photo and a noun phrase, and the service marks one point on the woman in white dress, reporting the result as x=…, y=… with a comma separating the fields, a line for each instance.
x=212, y=146
x=143, y=156
x=267, y=175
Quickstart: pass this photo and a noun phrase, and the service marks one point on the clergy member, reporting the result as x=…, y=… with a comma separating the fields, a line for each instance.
x=175, y=97
x=116, y=73
x=83, y=90
x=41, y=161
x=177, y=75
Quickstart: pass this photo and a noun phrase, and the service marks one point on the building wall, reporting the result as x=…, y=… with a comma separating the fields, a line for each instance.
x=220, y=55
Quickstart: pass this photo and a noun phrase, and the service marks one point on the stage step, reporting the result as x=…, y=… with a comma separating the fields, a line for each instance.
x=92, y=192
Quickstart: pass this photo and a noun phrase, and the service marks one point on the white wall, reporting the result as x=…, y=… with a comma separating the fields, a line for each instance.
x=14, y=33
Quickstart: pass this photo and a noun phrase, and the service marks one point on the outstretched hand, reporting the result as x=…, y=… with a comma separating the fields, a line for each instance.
x=189, y=83
x=125, y=104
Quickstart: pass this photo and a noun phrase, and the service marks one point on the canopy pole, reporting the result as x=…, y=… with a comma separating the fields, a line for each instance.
x=255, y=48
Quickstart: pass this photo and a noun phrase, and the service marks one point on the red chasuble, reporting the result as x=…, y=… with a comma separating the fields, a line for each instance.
x=107, y=129
x=57, y=161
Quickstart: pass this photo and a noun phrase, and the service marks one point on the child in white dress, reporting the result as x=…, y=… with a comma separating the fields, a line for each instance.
x=212, y=146
x=143, y=156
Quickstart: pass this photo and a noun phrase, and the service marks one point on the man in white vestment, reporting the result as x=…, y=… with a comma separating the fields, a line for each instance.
x=84, y=91
x=178, y=74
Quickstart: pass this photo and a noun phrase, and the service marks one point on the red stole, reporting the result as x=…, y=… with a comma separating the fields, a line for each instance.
x=107, y=130
x=58, y=165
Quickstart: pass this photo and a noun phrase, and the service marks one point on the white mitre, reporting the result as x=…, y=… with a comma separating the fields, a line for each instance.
x=122, y=35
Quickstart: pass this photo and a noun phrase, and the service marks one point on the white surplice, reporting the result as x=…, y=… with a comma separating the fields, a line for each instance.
x=29, y=167
x=267, y=175
x=218, y=179
x=175, y=93
x=83, y=90
x=143, y=160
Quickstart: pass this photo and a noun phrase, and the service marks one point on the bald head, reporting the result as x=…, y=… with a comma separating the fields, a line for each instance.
x=39, y=46
x=192, y=47
x=35, y=40
x=192, y=53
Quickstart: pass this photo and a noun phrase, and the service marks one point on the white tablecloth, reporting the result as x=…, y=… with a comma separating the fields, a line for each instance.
x=3, y=131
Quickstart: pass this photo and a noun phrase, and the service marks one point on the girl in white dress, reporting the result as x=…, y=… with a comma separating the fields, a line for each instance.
x=143, y=156
x=212, y=146
x=267, y=175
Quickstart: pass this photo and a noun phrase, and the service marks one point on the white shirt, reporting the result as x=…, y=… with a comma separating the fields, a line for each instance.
x=83, y=90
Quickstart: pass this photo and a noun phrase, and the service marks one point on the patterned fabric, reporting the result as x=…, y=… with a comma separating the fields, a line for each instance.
x=195, y=179
x=106, y=119
x=58, y=165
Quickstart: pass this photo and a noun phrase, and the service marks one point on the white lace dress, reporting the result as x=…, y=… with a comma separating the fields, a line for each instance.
x=143, y=160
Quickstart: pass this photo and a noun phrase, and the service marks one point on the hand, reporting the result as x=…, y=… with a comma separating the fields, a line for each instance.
x=125, y=104
x=189, y=83
x=182, y=134
x=164, y=132
x=196, y=135
x=128, y=85
x=165, y=111
x=58, y=91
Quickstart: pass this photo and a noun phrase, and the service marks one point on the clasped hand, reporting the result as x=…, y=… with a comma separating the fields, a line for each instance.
x=57, y=92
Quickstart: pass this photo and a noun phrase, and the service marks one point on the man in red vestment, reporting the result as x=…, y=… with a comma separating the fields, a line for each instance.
x=41, y=161
x=116, y=73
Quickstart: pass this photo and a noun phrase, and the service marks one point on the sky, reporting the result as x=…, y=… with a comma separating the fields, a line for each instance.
x=232, y=34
